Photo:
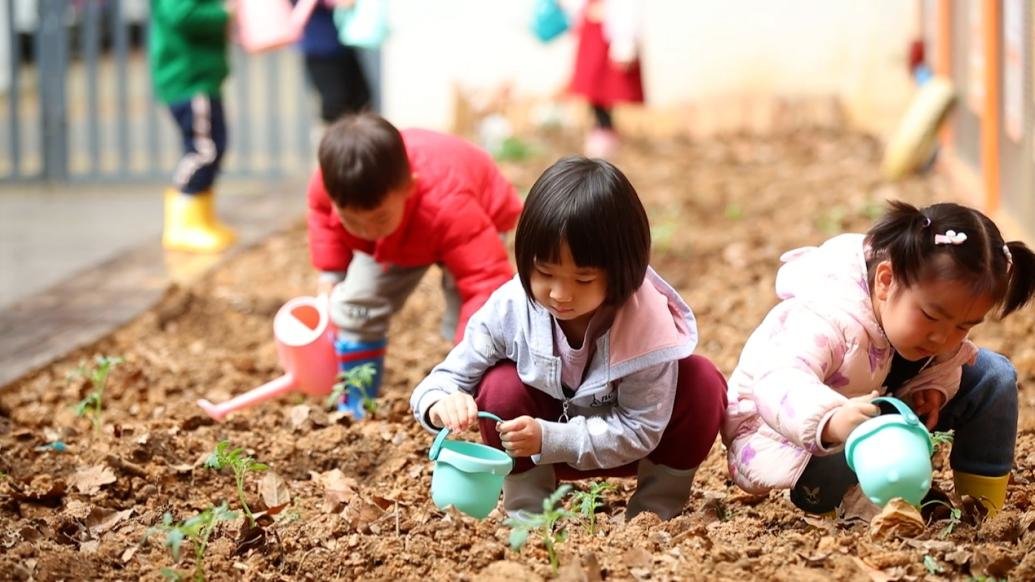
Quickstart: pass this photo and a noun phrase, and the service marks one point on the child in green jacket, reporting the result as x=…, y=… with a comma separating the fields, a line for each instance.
x=188, y=66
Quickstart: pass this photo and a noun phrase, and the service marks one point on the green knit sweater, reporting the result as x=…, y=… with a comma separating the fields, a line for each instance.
x=188, y=48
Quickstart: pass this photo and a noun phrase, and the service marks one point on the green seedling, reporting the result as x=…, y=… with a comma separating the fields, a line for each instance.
x=361, y=378
x=513, y=149
x=548, y=525
x=955, y=516
x=939, y=438
x=931, y=565
x=586, y=503
x=195, y=530
x=832, y=221
x=241, y=464
x=733, y=211
x=92, y=406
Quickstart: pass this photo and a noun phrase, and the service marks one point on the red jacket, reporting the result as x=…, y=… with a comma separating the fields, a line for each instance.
x=461, y=204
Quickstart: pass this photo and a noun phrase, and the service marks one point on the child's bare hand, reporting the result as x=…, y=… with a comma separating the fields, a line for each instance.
x=850, y=415
x=521, y=437
x=927, y=404
x=455, y=412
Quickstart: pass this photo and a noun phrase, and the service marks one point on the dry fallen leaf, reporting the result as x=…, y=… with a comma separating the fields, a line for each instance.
x=101, y=520
x=898, y=519
x=90, y=480
x=274, y=491
x=338, y=489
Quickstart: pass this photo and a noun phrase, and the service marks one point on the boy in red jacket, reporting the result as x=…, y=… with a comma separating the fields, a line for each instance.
x=384, y=206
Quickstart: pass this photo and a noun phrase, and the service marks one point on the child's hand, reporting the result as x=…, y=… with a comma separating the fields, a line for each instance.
x=927, y=404
x=850, y=415
x=521, y=437
x=455, y=412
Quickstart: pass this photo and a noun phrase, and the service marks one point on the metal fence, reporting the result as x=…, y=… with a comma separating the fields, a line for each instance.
x=76, y=102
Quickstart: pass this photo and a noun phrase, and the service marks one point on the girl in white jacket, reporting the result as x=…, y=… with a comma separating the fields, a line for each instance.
x=888, y=312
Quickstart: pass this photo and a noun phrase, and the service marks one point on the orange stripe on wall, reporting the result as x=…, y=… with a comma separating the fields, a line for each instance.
x=992, y=117
x=943, y=59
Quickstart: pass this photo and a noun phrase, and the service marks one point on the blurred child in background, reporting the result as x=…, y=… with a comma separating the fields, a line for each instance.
x=607, y=66
x=188, y=56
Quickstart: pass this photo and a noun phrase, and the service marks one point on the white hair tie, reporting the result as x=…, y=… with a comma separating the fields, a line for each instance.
x=1009, y=257
x=951, y=237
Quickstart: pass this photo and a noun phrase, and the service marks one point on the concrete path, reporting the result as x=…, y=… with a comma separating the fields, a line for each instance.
x=77, y=263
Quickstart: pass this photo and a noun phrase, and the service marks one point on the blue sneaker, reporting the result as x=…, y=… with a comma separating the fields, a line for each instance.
x=352, y=354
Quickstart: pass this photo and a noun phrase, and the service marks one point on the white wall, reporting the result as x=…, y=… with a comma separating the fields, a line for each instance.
x=693, y=50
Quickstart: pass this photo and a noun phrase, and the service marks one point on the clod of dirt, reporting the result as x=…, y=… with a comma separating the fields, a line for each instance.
x=507, y=571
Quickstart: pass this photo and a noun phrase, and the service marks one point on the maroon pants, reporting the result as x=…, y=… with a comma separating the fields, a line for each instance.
x=696, y=414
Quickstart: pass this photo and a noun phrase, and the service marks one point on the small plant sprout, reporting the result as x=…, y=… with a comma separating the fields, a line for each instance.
x=241, y=464
x=931, y=565
x=939, y=438
x=547, y=525
x=955, y=516
x=361, y=378
x=195, y=530
x=92, y=406
x=586, y=503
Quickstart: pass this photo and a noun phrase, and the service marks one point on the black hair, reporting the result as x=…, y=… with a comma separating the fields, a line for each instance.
x=1003, y=271
x=592, y=206
x=362, y=158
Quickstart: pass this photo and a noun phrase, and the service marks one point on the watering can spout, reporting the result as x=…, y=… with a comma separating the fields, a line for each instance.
x=272, y=389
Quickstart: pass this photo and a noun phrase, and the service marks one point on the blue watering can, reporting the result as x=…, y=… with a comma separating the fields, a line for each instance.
x=468, y=476
x=891, y=455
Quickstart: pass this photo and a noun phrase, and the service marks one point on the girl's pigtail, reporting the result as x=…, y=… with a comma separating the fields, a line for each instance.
x=1021, y=287
x=899, y=235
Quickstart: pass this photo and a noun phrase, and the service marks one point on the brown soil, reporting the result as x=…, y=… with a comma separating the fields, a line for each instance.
x=723, y=211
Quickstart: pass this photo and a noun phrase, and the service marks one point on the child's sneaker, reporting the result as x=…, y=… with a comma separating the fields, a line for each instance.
x=601, y=143
x=352, y=354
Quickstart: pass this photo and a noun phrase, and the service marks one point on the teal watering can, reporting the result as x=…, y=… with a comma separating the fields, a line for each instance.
x=891, y=455
x=468, y=476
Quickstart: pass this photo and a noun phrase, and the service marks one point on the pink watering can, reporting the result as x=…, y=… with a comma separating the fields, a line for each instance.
x=268, y=24
x=305, y=347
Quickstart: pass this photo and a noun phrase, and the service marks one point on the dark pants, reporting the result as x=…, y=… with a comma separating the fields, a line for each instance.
x=202, y=127
x=696, y=415
x=602, y=116
x=340, y=82
x=983, y=413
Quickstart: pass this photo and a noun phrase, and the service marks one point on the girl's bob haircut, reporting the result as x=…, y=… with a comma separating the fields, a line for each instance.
x=592, y=206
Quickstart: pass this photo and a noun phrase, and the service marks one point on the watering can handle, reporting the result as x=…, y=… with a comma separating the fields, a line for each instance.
x=901, y=407
x=436, y=446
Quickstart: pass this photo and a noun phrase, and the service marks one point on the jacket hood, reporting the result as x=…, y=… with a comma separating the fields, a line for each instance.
x=832, y=275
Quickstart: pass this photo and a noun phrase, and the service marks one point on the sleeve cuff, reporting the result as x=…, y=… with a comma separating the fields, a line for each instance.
x=819, y=449
x=555, y=436
x=427, y=400
x=332, y=276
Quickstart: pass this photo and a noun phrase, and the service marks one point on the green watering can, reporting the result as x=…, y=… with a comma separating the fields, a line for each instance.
x=468, y=476
x=891, y=455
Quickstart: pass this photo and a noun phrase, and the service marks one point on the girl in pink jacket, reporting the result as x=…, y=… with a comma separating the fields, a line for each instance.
x=883, y=313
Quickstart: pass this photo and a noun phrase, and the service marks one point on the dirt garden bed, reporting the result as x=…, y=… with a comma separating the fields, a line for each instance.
x=357, y=493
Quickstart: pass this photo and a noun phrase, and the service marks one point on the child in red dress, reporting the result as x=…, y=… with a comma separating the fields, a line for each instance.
x=607, y=66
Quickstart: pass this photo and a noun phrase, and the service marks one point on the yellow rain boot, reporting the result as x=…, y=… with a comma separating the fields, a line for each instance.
x=208, y=201
x=189, y=228
x=990, y=491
